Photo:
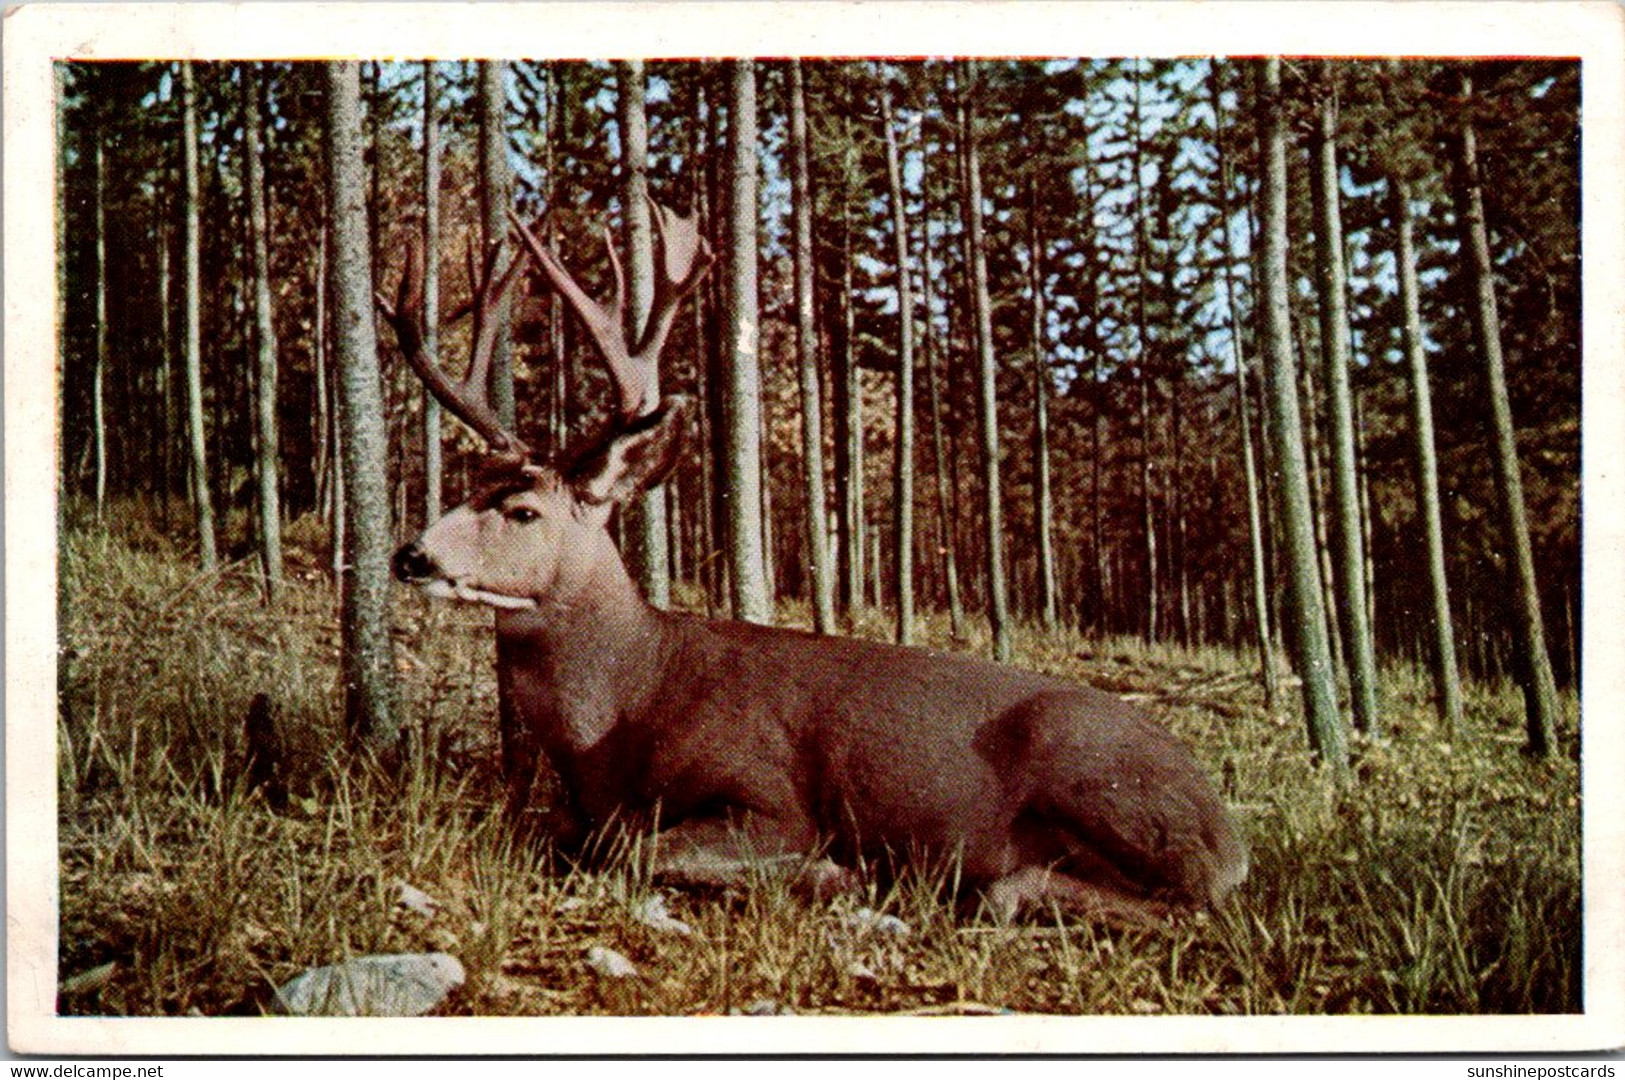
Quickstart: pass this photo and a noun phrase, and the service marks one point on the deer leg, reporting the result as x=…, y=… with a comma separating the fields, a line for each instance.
x=716, y=853
x=1034, y=886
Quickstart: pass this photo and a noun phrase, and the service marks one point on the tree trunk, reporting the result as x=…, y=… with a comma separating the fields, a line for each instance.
x=822, y=585
x=903, y=465
x=324, y=433
x=987, y=369
x=1442, y=640
x=496, y=196
x=946, y=518
x=166, y=373
x=433, y=499
x=647, y=524
x=1145, y=361
x=265, y=391
x=1326, y=736
x=1043, y=502
x=1249, y=467
x=191, y=247
x=1348, y=550
x=368, y=655
x=848, y=393
x=1532, y=663
x=750, y=592
x=99, y=375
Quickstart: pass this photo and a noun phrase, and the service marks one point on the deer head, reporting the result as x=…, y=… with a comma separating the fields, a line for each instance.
x=535, y=529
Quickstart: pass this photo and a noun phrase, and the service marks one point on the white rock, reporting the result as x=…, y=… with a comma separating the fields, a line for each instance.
x=866, y=921
x=610, y=964
x=414, y=899
x=399, y=984
x=653, y=914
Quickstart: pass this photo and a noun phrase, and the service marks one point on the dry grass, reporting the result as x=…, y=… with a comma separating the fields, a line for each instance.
x=1445, y=880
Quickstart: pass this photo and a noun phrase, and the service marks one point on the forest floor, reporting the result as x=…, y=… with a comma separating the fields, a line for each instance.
x=1446, y=878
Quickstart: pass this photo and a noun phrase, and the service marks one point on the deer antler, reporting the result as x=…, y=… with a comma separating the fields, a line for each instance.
x=467, y=398
x=682, y=258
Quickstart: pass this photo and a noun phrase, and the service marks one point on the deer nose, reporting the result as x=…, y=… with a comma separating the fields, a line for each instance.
x=413, y=564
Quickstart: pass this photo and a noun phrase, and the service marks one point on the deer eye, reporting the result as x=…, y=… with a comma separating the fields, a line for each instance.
x=520, y=515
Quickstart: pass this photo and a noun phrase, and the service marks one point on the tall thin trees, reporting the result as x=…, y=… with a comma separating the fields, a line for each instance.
x=1348, y=554
x=1533, y=668
x=987, y=401
x=1442, y=639
x=368, y=659
x=495, y=187
x=649, y=556
x=903, y=465
x=822, y=582
x=1286, y=428
x=191, y=247
x=750, y=592
x=432, y=498
x=265, y=368
x=1249, y=467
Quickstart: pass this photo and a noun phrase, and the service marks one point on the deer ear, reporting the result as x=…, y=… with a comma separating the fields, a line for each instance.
x=636, y=458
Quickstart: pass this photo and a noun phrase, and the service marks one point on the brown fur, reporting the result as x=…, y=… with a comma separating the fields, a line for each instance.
x=748, y=743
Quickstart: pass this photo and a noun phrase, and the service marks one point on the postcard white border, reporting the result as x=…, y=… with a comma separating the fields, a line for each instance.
x=35, y=35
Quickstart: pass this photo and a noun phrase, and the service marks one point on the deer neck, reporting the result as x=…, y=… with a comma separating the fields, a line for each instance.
x=583, y=659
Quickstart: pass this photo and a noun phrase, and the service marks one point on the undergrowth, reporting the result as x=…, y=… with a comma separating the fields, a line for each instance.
x=1445, y=878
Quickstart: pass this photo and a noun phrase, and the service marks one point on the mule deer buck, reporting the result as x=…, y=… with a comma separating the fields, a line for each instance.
x=748, y=745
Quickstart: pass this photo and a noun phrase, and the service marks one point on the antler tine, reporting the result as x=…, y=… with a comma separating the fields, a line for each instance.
x=684, y=256
x=489, y=295
x=604, y=323
x=465, y=398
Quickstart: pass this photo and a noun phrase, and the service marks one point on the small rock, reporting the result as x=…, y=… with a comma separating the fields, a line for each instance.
x=610, y=964
x=762, y=1007
x=653, y=914
x=398, y=984
x=866, y=921
x=414, y=899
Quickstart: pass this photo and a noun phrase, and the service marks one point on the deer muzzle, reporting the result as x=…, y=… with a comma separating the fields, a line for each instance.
x=413, y=565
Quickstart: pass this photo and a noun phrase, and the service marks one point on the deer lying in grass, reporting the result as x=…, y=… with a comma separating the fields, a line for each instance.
x=747, y=744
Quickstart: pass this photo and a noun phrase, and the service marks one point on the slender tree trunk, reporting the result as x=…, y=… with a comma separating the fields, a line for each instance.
x=717, y=343
x=751, y=595
x=433, y=498
x=1043, y=502
x=191, y=247
x=1532, y=663
x=1317, y=498
x=987, y=370
x=848, y=393
x=1348, y=551
x=647, y=552
x=265, y=393
x=99, y=375
x=368, y=654
x=496, y=196
x=323, y=433
x=903, y=467
x=1249, y=467
x=812, y=407
x=558, y=426
x=1326, y=736
x=166, y=373
x=1099, y=563
x=939, y=450
x=1153, y=599
x=1442, y=640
